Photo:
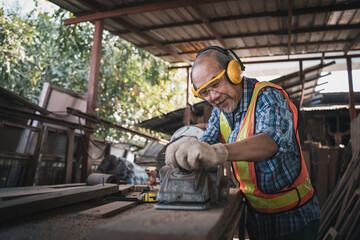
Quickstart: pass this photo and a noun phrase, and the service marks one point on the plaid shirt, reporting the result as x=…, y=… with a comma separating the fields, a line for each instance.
x=272, y=117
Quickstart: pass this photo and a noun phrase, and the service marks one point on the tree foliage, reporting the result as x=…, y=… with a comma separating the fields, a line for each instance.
x=133, y=84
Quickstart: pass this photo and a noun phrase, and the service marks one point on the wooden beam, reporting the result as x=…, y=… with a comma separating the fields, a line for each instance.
x=318, y=43
x=352, y=44
x=32, y=204
x=108, y=210
x=94, y=119
x=150, y=39
x=302, y=81
x=134, y=30
x=281, y=79
x=351, y=90
x=206, y=21
x=92, y=95
x=300, y=59
x=32, y=176
x=309, y=80
x=30, y=191
x=289, y=26
x=95, y=67
x=259, y=33
x=138, y=8
x=282, y=13
x=70, y=141
x=187, y=114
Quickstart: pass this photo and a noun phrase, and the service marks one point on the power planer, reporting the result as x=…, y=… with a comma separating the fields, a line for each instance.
x=181, y=189
x=191, y=190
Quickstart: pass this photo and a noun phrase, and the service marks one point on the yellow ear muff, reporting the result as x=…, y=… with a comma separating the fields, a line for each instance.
x=196, y=94
x=234, y=72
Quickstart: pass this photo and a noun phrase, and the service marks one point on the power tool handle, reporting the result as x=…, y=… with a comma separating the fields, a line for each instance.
x=183, y=170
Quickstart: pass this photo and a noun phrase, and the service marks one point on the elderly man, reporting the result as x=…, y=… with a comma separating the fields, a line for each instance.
x=253, y=126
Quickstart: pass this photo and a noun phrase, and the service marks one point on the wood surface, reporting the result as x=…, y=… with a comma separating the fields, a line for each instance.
x=32, y=204
x=108, y=210
x=124, y=189
x=28, y=192
x=173, y=224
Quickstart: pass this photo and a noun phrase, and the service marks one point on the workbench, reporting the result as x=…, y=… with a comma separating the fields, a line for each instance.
x=68, y=221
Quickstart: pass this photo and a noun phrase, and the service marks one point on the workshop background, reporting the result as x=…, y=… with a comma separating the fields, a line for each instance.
x=99, y=86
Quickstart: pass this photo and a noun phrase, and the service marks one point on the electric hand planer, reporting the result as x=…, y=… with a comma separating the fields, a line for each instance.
x=191, y=190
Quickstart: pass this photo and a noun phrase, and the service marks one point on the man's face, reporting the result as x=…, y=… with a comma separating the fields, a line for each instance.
x=219, y=93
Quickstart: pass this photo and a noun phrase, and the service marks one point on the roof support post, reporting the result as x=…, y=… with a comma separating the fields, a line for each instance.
x=187, y=115
x=351, y=90
x=302, y=80
x=289, y=26
x=92, y=95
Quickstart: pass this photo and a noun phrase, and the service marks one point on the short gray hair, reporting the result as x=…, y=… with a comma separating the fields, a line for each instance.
x=222, y=58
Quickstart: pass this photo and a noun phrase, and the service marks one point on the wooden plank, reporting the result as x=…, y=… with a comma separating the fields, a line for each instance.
x=70, y=185
x=350, y=218
x=331, y=210
x=29, y=192
x=333, y=168
x=331, y=234
x=107, y=209
x=322, y=174
x=32, y=204
x=70, y=138
x=139, y=188
x=173, y=224
x=32, y=175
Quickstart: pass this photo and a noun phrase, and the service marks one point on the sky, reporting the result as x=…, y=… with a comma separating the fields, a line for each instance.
x=336, y=82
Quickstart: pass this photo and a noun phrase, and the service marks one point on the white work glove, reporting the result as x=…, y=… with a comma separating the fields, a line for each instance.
x=189, y=153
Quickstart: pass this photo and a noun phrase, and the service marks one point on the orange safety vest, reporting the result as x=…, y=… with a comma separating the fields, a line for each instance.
x=291, y=196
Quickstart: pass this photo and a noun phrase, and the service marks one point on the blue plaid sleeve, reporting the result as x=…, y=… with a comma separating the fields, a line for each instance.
x=212, y=133
x=274, y=118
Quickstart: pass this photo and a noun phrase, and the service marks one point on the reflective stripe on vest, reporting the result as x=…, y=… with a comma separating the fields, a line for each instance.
x=291, y=196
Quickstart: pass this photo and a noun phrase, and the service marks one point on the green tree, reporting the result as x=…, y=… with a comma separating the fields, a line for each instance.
x=133, y=84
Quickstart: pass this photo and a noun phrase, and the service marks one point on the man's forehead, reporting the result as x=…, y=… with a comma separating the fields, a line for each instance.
x=205, y=67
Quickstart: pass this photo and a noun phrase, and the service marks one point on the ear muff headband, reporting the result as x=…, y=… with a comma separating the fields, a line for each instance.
x=233, y=71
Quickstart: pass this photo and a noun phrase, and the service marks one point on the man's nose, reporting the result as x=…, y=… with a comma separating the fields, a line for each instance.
x=214, y=95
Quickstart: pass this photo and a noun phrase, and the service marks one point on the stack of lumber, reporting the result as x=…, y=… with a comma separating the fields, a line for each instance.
x=322, y=163
x=22, y=201
x=341, y=212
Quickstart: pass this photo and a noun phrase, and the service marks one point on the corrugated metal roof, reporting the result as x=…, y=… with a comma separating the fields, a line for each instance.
x=176, y=30
x=327, y=108
x=251, y=27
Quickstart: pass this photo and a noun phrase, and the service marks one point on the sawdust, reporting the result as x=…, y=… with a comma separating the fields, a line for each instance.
x=59, y=224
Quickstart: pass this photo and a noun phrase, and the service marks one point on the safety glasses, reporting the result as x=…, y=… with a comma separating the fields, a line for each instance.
x=201, y=91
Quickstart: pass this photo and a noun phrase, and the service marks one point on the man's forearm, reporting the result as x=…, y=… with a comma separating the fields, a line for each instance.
x=253, y=149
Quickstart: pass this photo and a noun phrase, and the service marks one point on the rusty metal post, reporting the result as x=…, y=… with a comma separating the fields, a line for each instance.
x=187, y=115
x=351, y=89
x=92, y=95
x=302, y=80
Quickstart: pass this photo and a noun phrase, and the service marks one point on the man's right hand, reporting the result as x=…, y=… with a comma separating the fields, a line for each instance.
x=189, y=153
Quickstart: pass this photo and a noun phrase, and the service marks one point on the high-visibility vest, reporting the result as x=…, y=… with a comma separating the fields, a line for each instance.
x=296, y=194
